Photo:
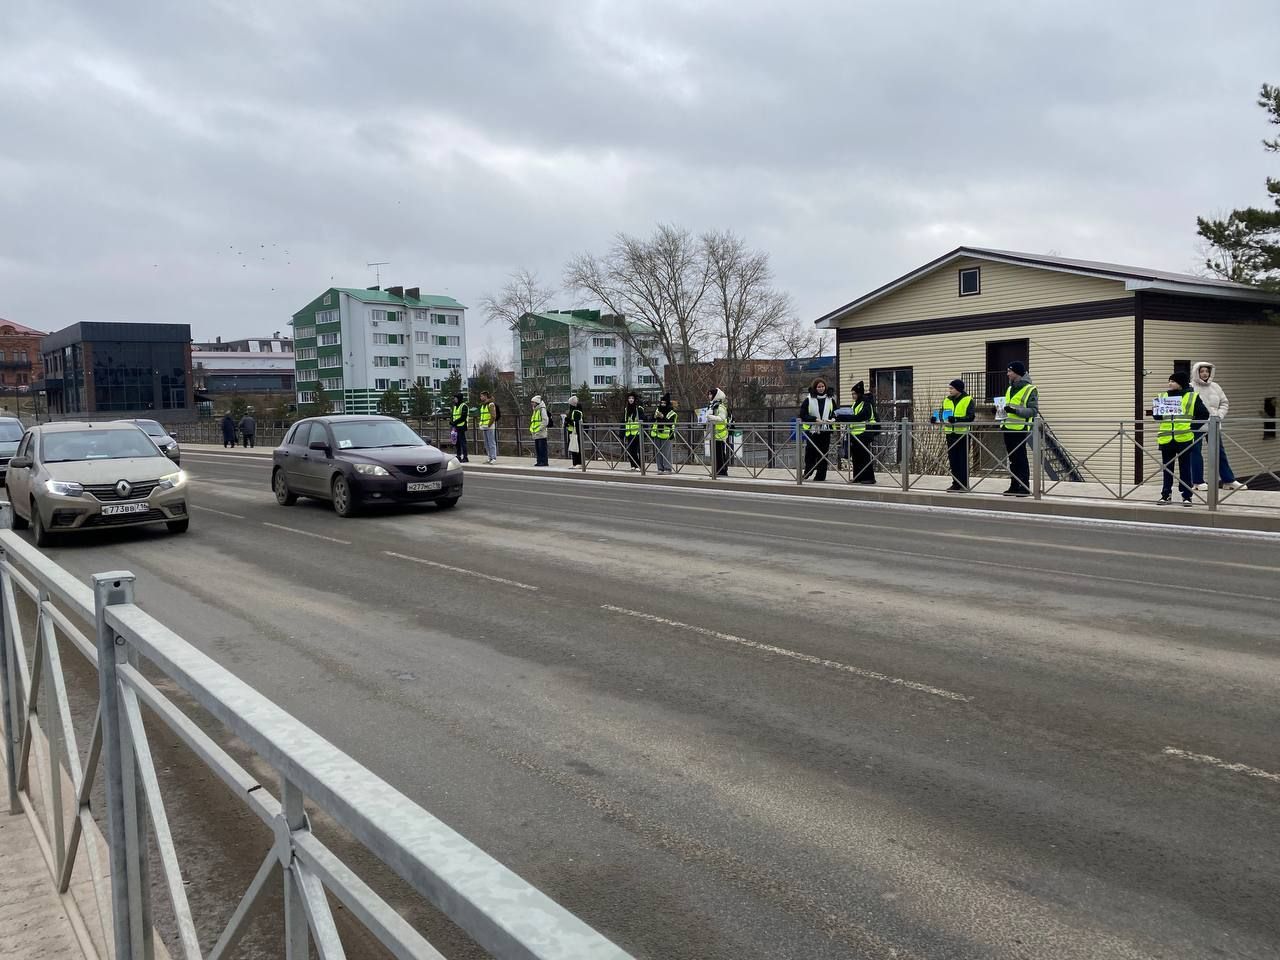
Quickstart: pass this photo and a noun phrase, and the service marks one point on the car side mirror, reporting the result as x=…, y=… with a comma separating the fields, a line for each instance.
x=322, y=447
x=19, y=463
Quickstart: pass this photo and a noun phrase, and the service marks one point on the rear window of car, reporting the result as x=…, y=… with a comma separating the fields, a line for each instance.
x=72, y=445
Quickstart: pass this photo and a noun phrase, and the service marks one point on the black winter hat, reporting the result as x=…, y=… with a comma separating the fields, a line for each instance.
x=1180, y=378
x=1019, y=368
x=665, y=398
x=859, y=388
x=958, y=384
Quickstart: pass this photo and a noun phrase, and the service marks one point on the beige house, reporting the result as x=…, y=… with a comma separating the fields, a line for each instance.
x=1100, y=340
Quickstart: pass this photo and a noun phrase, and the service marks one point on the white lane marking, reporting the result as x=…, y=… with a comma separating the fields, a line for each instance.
x=221, y=513
x=1144, y=526
x=469, y=573
x=306, y=533
x=941, y=534
x=792, y=654
x=1247, y=770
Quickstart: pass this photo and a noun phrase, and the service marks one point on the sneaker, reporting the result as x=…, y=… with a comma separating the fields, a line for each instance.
x=1186, y=503
x=1164, y=501
x=1236, y=485
x=1202, y=486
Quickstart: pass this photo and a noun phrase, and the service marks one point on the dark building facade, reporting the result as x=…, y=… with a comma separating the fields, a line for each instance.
x=120, y=370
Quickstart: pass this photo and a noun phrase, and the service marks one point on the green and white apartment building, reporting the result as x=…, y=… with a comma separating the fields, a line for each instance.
x=564, y=349
x=351, y=345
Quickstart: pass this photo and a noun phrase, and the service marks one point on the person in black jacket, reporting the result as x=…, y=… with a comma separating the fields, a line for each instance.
x=1177, y=436
x=861, y=435
x=573, y=428
x=228, y=431
x=817, y=412
x=632, y=424
x=458, y=420
x=956, y=415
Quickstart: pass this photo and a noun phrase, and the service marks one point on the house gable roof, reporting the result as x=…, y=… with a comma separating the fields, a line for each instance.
x=1134, y=278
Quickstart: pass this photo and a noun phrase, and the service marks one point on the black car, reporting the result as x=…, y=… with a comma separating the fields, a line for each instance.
x=354, y=461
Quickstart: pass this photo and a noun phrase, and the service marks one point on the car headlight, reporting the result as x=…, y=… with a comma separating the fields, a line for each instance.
x=371, y=470
x=172, y=480
x=453, y=464
x=64, y=488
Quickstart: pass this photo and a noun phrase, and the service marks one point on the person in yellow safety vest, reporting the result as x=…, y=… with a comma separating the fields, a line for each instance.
x=1177, y=436
x=632, y=418
x=718, y=421
x=862, y=430
x=488, y=425
x=573, y=427
x=663, y=429
x=1021, y=407
x=955, y=416
x=817, y=412
x=538, y=430
x=458, y=420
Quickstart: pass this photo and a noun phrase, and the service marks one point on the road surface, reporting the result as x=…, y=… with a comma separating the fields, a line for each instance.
x=734, y=726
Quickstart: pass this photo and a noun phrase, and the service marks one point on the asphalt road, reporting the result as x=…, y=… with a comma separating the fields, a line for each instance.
x=733, y=726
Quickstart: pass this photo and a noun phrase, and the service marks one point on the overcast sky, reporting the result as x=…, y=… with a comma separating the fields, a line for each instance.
x=220, y=162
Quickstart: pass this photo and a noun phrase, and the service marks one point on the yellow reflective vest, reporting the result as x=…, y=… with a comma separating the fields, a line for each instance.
x=1015, y=421
x=1179, y=428
x=959, y=408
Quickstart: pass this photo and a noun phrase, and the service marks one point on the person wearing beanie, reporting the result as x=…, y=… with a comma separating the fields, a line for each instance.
x=663, y=429
x=538, y=431
x=817, y=413
x=1021, y=407
x=1177, y=436
x=573, y=429
x=632, y=417
x=458, y=421
x=862, y=430
x=956, y=415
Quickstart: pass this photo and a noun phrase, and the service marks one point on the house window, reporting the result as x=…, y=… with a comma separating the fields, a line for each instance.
x=332, y=383
x=305, y=353
x=339, y=406
x=435, y=384
x=448, y=341
x=381, y=384
x=332, y=360
x=419, y=314
x=892, y=388
x=328, y=299
x=421, y=336
x=454, y=363
x=424, y=381
x=603, y=342
x=970, y=281
x=422, y=359
x=306, y=396
x=380, y=339
x=604, y=361
x=327, y=316
x=404, y=384
x=302, y=333
x=330, y=339
x=603, y=381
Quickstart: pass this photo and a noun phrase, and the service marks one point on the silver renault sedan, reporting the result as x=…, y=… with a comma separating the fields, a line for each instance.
x=68, y=477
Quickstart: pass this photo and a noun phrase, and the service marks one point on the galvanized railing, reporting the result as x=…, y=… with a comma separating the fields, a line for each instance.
x=1082, y=458
x=102, y=624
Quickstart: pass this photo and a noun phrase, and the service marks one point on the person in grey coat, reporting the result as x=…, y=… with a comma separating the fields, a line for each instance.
x=248, y=429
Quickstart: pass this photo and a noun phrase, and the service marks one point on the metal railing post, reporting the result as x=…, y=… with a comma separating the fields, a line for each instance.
x=905, y=450
x=1212, y=447
x=8, y=690
x=297, y=941
x=110, y=589
x=1037, y=458
x=800, y=452
x=640, y=450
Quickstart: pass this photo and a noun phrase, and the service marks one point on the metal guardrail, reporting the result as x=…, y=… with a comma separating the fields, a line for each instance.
x=500, y=911
x=1083, y=458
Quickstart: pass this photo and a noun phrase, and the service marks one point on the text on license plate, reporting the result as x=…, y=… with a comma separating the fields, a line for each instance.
x=115, y=509
x=424, y=487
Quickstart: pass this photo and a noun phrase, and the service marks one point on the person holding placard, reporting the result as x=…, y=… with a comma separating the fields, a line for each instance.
x=955, y=416
x=663, y=429
x=817, y=413
x=1181, y=415
x=861, y=435
x=573, y=427
x=1021, y=406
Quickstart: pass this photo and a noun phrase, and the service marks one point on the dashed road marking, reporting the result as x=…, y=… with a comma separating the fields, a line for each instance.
x=793, y=654
x=469, y=573
x=221, y=513
x=306, y=533
x=1227, y=765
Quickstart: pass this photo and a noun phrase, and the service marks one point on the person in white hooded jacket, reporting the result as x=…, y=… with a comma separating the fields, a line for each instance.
x=538, y=430
x=718, y=424
x=1215, y=401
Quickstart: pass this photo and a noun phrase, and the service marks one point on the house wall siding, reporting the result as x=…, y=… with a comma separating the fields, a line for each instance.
x=1004, y=287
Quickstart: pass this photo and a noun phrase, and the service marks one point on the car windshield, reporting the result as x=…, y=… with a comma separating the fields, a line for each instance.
x=95, y=445
x=367, y=434
x=151, y=428
x=10, y=430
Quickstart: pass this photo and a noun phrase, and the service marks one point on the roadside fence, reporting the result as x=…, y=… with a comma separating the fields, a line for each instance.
x=48, y=614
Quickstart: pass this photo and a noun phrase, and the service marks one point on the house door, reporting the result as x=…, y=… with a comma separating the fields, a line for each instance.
x=1001, y=353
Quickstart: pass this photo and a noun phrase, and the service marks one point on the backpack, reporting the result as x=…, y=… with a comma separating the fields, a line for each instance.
x=497, y=412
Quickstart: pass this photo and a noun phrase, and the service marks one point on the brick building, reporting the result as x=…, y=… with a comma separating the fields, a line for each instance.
x=20, y=361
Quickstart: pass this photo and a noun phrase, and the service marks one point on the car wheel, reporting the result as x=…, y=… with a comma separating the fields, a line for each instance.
x=284, y=496
x=19, y=522
x=444, y=503
x=344, y=501
x=179, y=526
x=39, y=534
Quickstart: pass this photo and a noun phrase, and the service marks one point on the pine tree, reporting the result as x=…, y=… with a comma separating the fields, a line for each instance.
x=419, y=403
x=1245, y=246
x=389, y=403
x=584, y=397
x=451, y=387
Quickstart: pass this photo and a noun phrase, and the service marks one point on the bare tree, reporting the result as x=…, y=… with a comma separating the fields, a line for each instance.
x=521, y=294
x=659, y=284
x=751, y=318
x=801, y=340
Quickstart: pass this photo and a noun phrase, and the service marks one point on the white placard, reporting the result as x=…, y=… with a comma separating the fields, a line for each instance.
x=1167, y=406
x=999, y=402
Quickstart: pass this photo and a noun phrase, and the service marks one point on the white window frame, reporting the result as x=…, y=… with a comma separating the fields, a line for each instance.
x=381, y=383
x=304, y=353
x=306, y=396
x=327, y=316
x=422, y=359
x=331, y=383
x=329, y=361
x=976, y=272
x=329, y=340
x=304, y=333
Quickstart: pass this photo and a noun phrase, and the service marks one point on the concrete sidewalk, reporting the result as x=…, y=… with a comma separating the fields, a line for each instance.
x=1255, y=510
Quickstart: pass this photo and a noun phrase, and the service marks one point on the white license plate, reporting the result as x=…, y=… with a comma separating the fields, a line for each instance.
x=423, y=487
x=115, y=509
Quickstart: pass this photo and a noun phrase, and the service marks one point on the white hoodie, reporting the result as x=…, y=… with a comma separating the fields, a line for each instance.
x=719, y=415
x=1214, y=397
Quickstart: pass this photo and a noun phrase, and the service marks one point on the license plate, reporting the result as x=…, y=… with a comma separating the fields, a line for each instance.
x=115, y=509
x=424, y=487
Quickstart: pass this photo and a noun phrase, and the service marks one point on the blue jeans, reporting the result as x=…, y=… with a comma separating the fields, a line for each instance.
x=490, y=442
x=1225, y=473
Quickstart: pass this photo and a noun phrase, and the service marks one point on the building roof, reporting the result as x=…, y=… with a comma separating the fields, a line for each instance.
x=20, y=328
x=586, y=320
x=1134, y=278
x=381, y=296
